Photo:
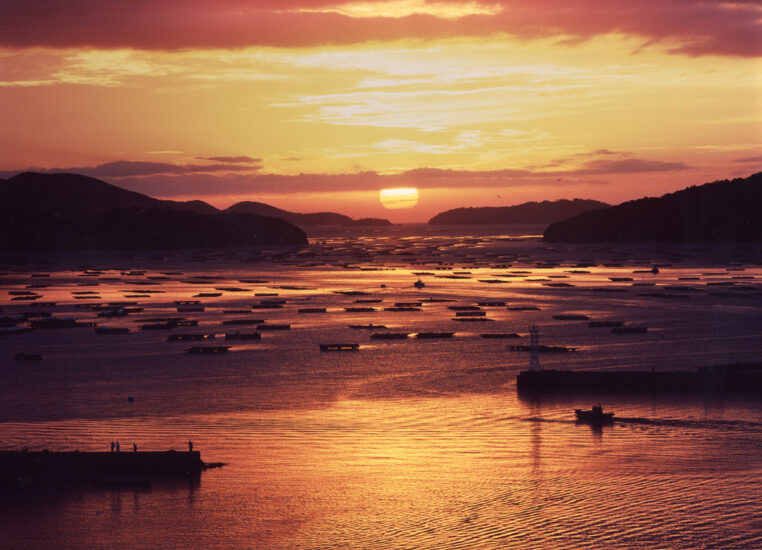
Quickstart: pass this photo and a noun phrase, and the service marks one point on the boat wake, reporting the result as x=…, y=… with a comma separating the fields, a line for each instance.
x=687, y=423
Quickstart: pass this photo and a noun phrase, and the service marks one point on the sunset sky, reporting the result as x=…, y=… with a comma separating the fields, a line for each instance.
x=319, y=104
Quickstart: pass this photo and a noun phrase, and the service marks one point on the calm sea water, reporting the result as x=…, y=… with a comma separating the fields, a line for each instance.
x=407, y=443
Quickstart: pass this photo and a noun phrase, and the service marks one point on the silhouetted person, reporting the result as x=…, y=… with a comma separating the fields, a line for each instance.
x=117, y=446
x=190, y=446
x=112, y=446
x=134, y=447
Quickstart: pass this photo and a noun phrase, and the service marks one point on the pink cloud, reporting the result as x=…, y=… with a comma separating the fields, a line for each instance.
x=628, y=166
x=166, y=180
x=692, y=27
x=757, y=158
x=242, y=159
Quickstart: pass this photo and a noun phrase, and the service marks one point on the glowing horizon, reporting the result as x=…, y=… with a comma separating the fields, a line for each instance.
x=318, y=105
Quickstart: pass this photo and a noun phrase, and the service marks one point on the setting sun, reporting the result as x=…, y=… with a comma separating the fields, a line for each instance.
x=399, y=197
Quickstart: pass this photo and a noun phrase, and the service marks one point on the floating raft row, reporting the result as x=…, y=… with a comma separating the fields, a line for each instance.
x=168, y=325
x=188, y=337
x=571, y=317
x=243, y=322
x=243, y=336
x=339, y=347
x=389, y=336
x=274, y=327
x=208, y=350
x=543, y=349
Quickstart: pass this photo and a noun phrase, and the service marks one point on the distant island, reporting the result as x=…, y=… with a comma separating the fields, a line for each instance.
x=528, y=212
x=722, y=211
x=316, y=218
x=75, y=212
x=368, y=222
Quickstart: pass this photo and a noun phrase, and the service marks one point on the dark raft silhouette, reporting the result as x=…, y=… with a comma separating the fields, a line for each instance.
x=74, y=212
x=528, y=212
x=722, y=211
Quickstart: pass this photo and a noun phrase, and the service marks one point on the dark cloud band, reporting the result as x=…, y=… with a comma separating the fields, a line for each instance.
x=692, y=27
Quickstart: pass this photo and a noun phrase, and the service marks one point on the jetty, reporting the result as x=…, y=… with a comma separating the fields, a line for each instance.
x=736, y=377
x=19, y=469
x=717, y=378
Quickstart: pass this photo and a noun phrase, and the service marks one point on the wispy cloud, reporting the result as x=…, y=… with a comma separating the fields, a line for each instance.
x=757, y=158
x=404, y=8
x=628, y=166
x=136, y=168
x=241, y=158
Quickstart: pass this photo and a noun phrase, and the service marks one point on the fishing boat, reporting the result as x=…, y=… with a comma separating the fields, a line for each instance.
x=594, y=415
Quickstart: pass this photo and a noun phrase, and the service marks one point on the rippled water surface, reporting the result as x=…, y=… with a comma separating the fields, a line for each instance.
x=410, y=443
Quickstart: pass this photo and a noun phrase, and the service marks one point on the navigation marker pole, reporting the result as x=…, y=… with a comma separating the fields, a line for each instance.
x=534, y=346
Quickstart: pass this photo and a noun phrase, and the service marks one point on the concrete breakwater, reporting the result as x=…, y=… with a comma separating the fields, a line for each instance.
x=21, y=468
x=740, y=377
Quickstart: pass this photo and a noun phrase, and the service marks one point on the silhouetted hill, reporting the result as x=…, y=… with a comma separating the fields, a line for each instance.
x=528, y=212
x=316, y=218
x=77, y=196
x=199, y=207
x=723, y=211
x=72, y=212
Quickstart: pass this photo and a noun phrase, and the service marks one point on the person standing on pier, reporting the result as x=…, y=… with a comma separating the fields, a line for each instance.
x=134, y=447
x=117, y=446
x=190, y=446
x=112, y=445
